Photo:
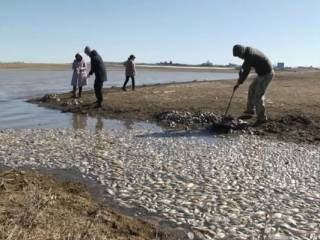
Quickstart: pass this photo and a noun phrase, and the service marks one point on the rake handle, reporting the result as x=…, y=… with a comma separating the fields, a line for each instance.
x=229, y=104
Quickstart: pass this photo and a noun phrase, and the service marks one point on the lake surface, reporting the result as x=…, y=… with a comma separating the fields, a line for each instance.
x=18, y=85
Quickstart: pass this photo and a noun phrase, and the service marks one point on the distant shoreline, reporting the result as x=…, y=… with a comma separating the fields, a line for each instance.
x=144, y=67
x=112, y=66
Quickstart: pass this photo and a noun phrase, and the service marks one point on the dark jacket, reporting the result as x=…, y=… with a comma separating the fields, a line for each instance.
x=98, y=67
x=130, y=68
x=256, y=59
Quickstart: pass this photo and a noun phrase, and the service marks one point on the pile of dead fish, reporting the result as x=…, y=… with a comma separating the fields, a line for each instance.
x=72, y=102
x=50, y=98
x=231, y=124
x=174, y=118
x=217, y=123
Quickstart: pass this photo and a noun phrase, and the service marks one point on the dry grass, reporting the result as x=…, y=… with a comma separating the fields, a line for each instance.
x=34, y=207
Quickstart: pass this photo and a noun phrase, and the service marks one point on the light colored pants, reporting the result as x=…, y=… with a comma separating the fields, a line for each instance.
x=256, y=94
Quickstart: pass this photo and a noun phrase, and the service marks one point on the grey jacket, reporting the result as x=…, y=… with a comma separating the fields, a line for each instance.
x=256, y=59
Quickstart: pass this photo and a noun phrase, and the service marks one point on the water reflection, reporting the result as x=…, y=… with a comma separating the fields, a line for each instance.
x=79, y=121
x=99, y=125
x=18, y=114
x=83, y=121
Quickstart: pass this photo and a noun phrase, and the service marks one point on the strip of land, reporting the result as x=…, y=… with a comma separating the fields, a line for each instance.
x=34, y=206
x=292, y=102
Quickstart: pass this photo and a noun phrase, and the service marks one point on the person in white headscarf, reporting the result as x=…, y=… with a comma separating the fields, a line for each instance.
x=79, y=76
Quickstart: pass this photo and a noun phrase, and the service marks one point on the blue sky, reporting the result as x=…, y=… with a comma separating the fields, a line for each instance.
x=187, y=31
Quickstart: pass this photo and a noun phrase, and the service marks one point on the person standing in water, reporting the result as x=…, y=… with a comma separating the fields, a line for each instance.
x=79, y=76
x=130, y=72
x=99, y=69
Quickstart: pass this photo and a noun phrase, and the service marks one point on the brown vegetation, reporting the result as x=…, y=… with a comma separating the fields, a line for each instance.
x=35, y=207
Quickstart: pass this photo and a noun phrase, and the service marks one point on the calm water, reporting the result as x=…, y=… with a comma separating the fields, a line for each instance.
x=18, y=85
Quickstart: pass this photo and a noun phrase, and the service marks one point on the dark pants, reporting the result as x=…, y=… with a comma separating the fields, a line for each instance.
x=98, y=91
x=127, y=80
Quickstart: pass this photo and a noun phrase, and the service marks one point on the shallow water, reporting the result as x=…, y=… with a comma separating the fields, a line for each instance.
x=18, y=85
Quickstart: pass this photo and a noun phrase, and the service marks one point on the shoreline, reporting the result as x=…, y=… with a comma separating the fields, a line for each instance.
x=144, y=67
x=291, y=119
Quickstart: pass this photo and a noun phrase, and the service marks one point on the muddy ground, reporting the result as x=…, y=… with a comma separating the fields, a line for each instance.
x=34, y=206
x=292, y=101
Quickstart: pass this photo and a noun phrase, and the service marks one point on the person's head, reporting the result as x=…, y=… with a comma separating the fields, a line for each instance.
x=239, y=51
x=78, y=57
x=87, y=50
x=132, y=57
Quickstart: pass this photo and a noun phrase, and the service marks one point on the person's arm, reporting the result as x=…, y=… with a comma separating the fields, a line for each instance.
x=73, y=65
x=134, y=68
x=92, y=67
x=83, y=66
x=244, y=71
